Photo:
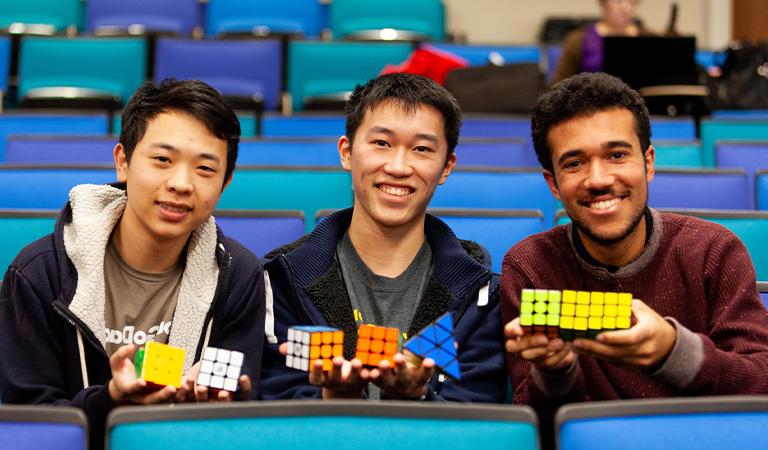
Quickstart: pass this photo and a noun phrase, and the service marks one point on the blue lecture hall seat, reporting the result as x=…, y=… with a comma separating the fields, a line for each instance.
x=749, y=156
x=48, y=123
x=761, y=189
x=497, y=188
x=713, y=130
x=259, y=230
x=51, y=149
x=708, y=189
x=289, y=151
x=704, y=423
x=167, y=16
x=242, y=68
x=418, y=19
x=96, y=64
x=673, y=129
x=495, y=229
x=41, y=427
x=496, y=126
x=479, y=55
x=495, y=153
x=320, y=70
x=328, y=425
x=553, y=57
x=672, y=154
x=305, y=125
x=762, y=288
x=761, y=114
x=19, y=228
x=262, y=17
x=39, y=187
x=750, y=226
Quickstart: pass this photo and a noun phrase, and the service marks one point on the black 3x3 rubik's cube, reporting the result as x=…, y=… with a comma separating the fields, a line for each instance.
x=573, y=314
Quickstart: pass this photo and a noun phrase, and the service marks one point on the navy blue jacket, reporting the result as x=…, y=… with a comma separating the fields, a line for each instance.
x=38, y=343
x=307, y=289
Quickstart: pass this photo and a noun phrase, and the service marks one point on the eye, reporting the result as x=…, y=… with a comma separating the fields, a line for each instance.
x=380, y=142
x=207, y=169
x=572, y=164
x=161, y=158
x=423, y=149
x=615, y=155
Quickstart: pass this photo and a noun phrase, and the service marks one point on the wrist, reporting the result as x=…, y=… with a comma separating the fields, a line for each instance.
x=114, y=393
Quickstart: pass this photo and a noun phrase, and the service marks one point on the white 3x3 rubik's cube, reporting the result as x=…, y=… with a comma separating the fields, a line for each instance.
x=220, y=369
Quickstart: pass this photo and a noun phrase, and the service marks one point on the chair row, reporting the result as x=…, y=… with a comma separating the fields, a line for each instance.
x=423, y=19
x=717, y=423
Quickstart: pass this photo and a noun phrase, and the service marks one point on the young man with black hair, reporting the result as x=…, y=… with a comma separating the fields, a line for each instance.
x=136, y=261
x=386, y=262
x=700, y=325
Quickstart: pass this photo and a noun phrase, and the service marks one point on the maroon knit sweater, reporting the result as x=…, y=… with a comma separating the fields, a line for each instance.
x=695, y=273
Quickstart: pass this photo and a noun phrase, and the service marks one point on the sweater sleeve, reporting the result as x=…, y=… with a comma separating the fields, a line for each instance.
x=544, y=392
x=735, y=345
x=35, y=364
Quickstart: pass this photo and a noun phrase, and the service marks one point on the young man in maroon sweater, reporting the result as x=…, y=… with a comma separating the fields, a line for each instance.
x=700, y=326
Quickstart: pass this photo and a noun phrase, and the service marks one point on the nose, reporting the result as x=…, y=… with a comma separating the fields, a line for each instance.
x=599, y=176
x=180, y=181
x=398, y=163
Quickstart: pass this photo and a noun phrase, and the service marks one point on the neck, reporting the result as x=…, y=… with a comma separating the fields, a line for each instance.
x=387, y=251
x=619, y=253
x=145, y=254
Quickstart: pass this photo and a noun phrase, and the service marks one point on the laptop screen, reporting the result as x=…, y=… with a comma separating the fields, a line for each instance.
x=651, y=60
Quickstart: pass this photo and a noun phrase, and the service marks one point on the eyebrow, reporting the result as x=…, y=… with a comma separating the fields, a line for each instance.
x=425, y=136
x=172, y=149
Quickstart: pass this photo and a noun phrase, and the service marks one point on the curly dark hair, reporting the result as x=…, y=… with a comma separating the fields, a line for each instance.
x=191, y=97
x=410, y=92
x=583, y=95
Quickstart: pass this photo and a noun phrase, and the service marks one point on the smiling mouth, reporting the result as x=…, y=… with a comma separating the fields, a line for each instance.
x=176, y=209
x=398, y=191
x=604, y=204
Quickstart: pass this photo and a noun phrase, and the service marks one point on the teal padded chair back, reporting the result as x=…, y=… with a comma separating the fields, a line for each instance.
x=750, y=226
x=703, y=423
x=421, y=19
x=327, y=425
x=297, y=188
x=482, y=55
x=671, y=154
x=496, y=230
x=317, y=69
x=19, y=228
x=561, y=217
x=40, y=187
x=48, y=149
x=114, y=66
x=714, y=130
x=261, y=231
x=305, y=17
x=59, y=14
x=47, y=123
x=303, y=125
x=762, y=288
x=496, y=188
x=707, y=189
x=37, y=427
x=747, y=155
x=761, y=114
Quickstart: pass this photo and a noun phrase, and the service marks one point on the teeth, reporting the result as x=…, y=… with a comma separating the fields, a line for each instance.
x=399, y=191
x=605, y=204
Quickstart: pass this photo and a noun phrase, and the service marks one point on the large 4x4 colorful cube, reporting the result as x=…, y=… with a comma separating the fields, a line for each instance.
x=376, y=344
x=307, y=344
x=573, y=314
x=159, y=364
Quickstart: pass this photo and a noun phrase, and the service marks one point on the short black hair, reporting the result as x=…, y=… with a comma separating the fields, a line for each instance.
x=409, y=91
x=583, y=95
x=192, y=97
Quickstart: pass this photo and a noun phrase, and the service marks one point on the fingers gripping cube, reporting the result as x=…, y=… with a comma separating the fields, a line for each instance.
x=376, y=344
x=307, y=344
x=220, y=369
x=573, y=314
x=159, y=364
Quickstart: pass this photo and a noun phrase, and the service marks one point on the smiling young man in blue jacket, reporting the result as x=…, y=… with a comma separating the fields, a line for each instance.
x=138, y=261
x=386, y=262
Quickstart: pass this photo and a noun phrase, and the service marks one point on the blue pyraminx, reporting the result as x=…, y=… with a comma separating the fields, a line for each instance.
x=436, y=341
